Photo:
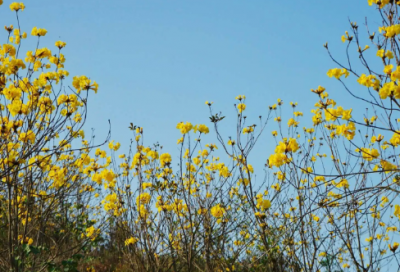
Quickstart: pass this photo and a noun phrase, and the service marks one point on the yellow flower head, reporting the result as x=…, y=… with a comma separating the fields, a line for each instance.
x=184, y=128
x=130, y=241
x=16, y=6
x=241, y=107
x=143, y=198
x=40, y=32
x=217, y=211
x=60, y=44
x=394, y=247
x=201, y=128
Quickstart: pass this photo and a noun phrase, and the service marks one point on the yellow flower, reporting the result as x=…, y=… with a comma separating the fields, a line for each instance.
x=16, y=6
x=337, y=73
x=40, y=32
x=100, y=153
x=165, y=158
x=394, y=247
x=248, y=129
x=369, y=81
x=92, y=232
x=347, y=114
x=184, y=128
x=298, y=113
x=83, y=83
x=28, y=136
x=244, y=181
x=60, y=44
x=292, y=122
x=389, y=54
x=263, y=204
x=241, y=107
x=201, y=128
x=388, y=69
x=334, y=73
x=343, y=183
x=146, y=185
x=217, y=211
x=278, y=160
x=130, y=241
x=114, y=147
x=380, y=53
x=276, y=187
x=387, y=166
x=391, y=31
x=248, y=169
x=369, y=154
x=397, y=210
x=143, y=198
x=380, y=3
x=395, y=140
x=390, y=88
x=180, y=140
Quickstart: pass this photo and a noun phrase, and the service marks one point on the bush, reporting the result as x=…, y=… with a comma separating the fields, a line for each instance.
x=329, y=200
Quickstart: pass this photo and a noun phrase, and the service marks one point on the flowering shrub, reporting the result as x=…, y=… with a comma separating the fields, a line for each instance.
x=46, y=172
x=330, y=202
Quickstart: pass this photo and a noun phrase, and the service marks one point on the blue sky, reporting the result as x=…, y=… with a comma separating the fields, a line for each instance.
x=157, y=62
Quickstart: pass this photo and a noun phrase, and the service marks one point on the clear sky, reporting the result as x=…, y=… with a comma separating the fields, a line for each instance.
x=157, y=62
